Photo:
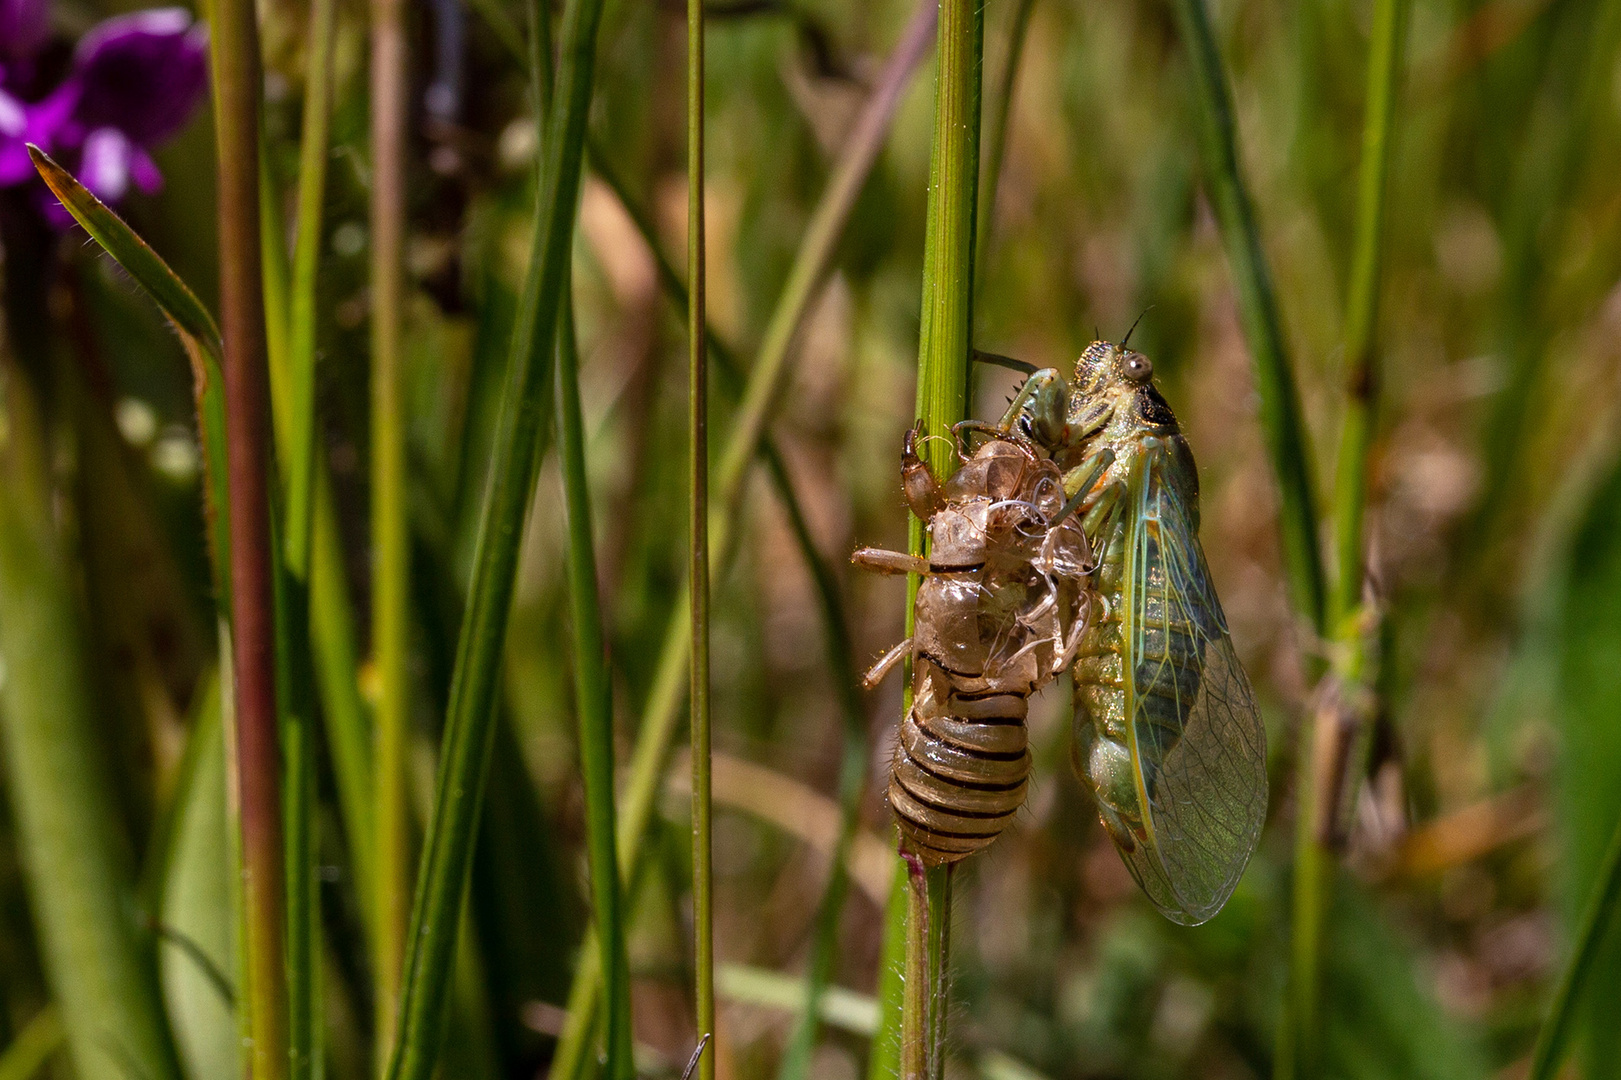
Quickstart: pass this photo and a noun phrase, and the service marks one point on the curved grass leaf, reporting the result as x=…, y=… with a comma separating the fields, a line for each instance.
x=80, y=884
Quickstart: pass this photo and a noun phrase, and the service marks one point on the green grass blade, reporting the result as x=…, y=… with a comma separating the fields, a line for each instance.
x=335, y=658
x=33, y=1046
x=1281, y=422
x=293, y=678
x=1597, y=917
x=80, y=885
x=594, y=703
x=298, y=456
x=198, y=332
x=171, y=294
x=654, y=739
x=703, y=867
x=196, y=905
x=464, y=756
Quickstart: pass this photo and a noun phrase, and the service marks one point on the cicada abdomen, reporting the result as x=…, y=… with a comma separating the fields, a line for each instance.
x=999, y=613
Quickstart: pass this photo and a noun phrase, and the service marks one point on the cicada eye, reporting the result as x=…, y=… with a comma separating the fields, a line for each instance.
x=1138, y=368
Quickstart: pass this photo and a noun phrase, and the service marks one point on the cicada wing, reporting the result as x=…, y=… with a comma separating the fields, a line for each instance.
x=1197, y=743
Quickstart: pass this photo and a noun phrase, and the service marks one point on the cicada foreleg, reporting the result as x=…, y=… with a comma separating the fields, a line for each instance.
x=1039, y=409
x=922, y=489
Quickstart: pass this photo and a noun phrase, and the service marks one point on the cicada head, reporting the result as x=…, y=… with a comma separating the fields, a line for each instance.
x=1113, y=382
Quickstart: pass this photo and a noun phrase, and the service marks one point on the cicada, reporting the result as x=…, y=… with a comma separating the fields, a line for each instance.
x=1000, y=612
x=1167, y=734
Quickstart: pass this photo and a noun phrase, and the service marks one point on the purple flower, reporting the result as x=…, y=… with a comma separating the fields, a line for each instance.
x=24, y=25
x=133, y=82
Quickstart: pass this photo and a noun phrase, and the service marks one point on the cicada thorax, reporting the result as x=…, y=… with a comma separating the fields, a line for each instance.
x=997, y=617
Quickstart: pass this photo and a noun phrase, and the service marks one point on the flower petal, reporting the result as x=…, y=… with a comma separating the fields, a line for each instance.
x=143, y=74
x=104, y=165
x=24, y=25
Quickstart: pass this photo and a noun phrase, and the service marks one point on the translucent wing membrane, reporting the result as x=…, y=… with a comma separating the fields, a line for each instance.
x=1197, y=744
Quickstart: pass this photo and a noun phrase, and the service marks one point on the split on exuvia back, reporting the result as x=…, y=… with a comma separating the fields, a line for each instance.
x=1069, y=540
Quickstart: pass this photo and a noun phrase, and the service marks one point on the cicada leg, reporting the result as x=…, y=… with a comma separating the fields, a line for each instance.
x=886, y=664
x=1079, y=481
x=918, y=481
x=1038, y=410
x=884, y=561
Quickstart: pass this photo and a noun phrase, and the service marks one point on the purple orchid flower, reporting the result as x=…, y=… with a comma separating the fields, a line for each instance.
x=133, y=82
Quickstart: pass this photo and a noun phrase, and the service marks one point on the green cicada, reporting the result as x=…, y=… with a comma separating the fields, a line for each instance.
x=1167, y=734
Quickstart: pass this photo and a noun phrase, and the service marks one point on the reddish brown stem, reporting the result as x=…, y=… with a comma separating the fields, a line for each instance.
x=236, y=108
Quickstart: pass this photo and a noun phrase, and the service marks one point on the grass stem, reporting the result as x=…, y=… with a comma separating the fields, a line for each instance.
x=234, y=47
x=1299, y=1039
x=944, y=348
x=391, y=568
x=703, y=873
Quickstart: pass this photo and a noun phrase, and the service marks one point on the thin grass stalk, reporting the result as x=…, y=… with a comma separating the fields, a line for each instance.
x=594, y=703
x=469, y=723
x=27, y=1054
x=97, y=963
x=1299, y=1039
x=703, y=869
x=852, y=768
x=944, y=346
x=1287, y=445
x=1597, y=917
x=996, y=131
x=234, y=49
x=655, y=737
x=391, y=544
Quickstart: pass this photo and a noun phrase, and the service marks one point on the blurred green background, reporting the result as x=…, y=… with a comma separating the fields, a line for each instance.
x=1494, y=510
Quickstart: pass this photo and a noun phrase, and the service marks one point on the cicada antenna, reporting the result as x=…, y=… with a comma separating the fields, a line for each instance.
x=1133, y=329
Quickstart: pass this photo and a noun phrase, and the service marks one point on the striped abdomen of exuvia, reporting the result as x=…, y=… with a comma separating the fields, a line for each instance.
x=996, y=617
x=961, y=764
